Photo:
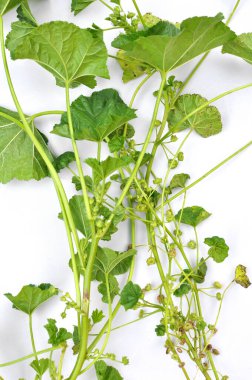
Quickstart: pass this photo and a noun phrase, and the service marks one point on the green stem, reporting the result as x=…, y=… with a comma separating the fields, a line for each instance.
x=45, y=113
x=139, y=13
x=207, y=173
x=57, y=182
x=99, y=151
x=61, y=361
x=33, y=340
x=30, y=356
x=107, y=5
x=233, y=12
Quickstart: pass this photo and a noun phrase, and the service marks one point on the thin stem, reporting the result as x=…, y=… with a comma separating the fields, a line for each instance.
x=45, y=113
x=107, y=5
x=30, y=356
x=33, y=340
x=208, y=173
x=233, y=12
x=139, y=13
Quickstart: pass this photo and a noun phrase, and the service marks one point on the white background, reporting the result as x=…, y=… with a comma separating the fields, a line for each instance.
x=33, y=245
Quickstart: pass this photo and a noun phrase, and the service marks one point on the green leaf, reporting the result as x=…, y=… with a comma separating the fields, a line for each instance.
x=219, y=249
x=111, y=262
x=105, y=372
x=103, y=169
x=179, y=180
x=130, y=295
x=113, y=289
x=56, y=336
x=184, y=289
x=206, y=122
x=40, y=366
x=78, y=5
x=162, y=28
x=160, y=330
x=30, y=297
x=201, y=272
x=63, y=161
x=165, y=53
x=241, y=277
x=19, y=159
x=70, y=53
x=116, y=143
x=97, y=316
x=24, y=14
x=7, y=5
x=79, y=213
x=95, y=117
x=192, y=215
x=241, y=47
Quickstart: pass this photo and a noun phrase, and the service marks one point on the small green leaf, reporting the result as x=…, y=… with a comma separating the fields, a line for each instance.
x=97, y=316
x=201, y=272
x=197, y=35
x=179, y=180
x=78, y=5
x=56, y=336
x=219, y=249
x=192, y=215
x=24, y=14
x=105, y=372
x=103, y=169
x=116, y=143
x=19, y=159
x=70, y=53
x=63, y=161
x=206, y=122
x=160, y=330
x=96, y=117
x=40, y=366
x=30, y=297
x=241, y=277
x=113, y=289
x=130, y=295
x=241, y=47
x=184, y=289
x=79, y=213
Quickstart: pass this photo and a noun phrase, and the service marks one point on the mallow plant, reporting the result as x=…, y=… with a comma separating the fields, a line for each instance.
x=119, y=186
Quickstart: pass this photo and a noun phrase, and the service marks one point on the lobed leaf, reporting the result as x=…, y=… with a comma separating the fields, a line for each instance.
x=103, y=169
x=56, y=336
x=96, y=117
x=70, y=53
x=219, y=249
x=31, y=297
x=206, y=122
x=241, y=47
x=197, y=35
x=130, y=295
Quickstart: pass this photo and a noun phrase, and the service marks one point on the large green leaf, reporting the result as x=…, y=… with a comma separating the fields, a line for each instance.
x=198, y=35
x=105, y=372
x=70, y=53
x=95, y=117
x=241, y=47
x=6, y=5
x=206, y=122
x=18, y=157
x=78, y=5
x=31, y=296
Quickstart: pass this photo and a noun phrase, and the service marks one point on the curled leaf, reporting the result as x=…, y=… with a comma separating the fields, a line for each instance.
x=241, y=277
